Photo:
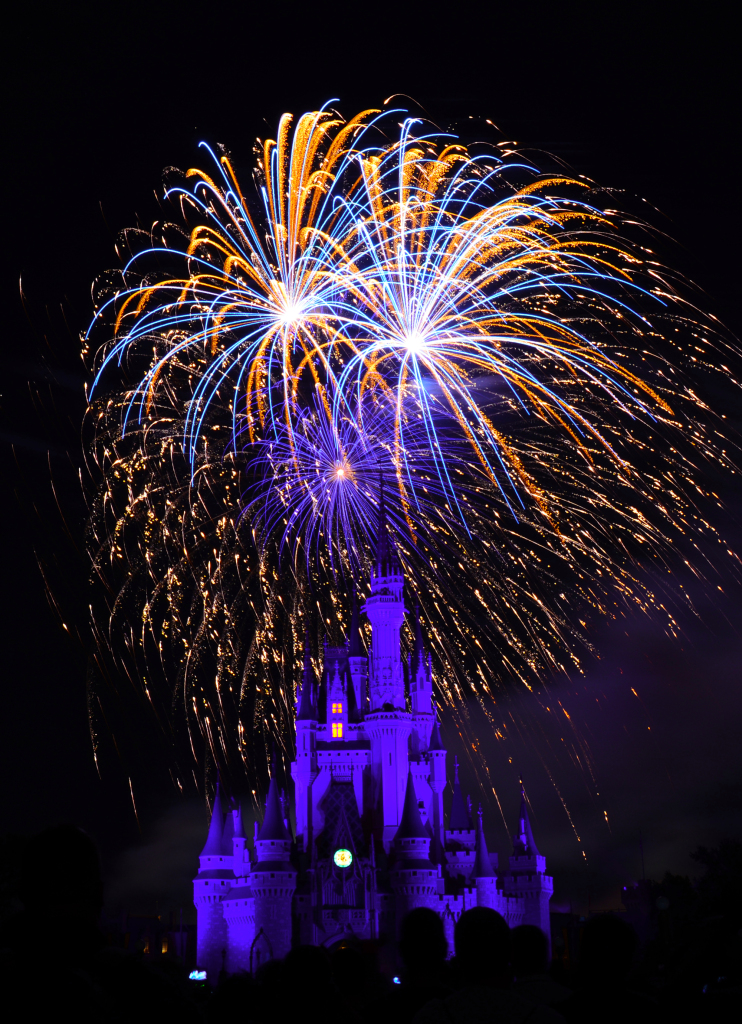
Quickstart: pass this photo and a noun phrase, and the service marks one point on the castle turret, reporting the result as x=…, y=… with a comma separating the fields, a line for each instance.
x=421, y=692
x=437, y=781
x=421, y=675
x=273, y=882
x=527, y=879
x=238, y=904
x=414, y=878
x=388, y=724
x=338, y=697
x=385, y=610
x=460, y=836
x=211, y=884
x=240, y=853
x=483, y=874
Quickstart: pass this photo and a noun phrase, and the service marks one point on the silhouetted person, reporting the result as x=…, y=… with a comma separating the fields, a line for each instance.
x=423, y=949
x=607, y=953
x=482, y=940
x=235, y=1002
x=54, y=950
x=351, y=975
x=310, y=988
x=529, y=958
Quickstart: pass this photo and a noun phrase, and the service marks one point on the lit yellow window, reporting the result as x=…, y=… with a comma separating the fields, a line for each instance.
x=337, y=730
x=337, y=709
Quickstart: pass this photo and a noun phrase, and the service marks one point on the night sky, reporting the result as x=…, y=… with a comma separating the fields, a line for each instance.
x=98, y=100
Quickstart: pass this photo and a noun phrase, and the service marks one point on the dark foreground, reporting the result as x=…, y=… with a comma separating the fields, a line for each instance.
x=56, y=965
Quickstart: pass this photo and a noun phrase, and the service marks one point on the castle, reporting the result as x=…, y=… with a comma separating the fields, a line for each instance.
x=371, y=840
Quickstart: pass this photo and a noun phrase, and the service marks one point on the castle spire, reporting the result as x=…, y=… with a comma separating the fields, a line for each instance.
x=307, y=709
x=411, y=826
x=459, y=820
x=213, y=847
x=482, y=863
x=273, y=827
x=523, y=841
x=387, y=560
x=436, y=743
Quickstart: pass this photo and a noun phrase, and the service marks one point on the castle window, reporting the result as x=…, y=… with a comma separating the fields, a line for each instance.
x=337, y=709
x=337, y=730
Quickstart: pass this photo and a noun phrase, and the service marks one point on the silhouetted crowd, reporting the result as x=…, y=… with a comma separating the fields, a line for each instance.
x=56, y=964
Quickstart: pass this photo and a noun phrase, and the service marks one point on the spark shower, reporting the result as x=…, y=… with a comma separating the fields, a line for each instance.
x=477, y=327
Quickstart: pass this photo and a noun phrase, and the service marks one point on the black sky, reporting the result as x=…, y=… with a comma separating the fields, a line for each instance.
x=98, y=100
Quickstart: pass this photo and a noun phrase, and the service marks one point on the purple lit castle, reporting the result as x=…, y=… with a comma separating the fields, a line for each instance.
x=371, y=839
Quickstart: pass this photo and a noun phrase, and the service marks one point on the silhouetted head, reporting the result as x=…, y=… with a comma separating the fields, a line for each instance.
x=349, y=970
x=422, y=942
x=608, y=947
x=482, y=940
x=307, y=969
x=61, y=868
x=529, y=951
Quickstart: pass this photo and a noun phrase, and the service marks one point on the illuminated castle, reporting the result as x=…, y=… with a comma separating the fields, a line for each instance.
x=371, y=841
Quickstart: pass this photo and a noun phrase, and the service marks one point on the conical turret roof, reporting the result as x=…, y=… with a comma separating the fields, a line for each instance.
x=436, y=743
x=411, y=826
x=213, y=847
x=273, y=826
x=482, y=863
x=523, y=841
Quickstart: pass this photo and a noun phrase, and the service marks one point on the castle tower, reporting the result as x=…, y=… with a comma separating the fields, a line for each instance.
x=304, y=769
x=210, y=886
x=338, y=698
x=240, y=853
x=421, y=691
x=388, y=724
x=437, y=781
x=238, y=905
x=460, y=836
x=414, y=878
x=483, y=874
x=527, y=879
x=385, y=610
x=273, y=883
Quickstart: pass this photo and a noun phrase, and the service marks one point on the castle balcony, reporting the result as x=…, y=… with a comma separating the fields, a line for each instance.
x=342, y=763
x=378, y=722
x=354, y=736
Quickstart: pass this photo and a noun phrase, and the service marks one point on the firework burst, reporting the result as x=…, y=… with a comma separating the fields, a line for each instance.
x=479, y=334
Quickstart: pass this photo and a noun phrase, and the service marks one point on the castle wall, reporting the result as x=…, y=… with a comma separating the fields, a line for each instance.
x=211, y=934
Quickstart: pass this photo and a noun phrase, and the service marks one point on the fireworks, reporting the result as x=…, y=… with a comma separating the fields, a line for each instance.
x=385, y=303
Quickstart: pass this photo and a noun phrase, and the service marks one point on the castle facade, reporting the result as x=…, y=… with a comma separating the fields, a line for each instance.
x=371, y=838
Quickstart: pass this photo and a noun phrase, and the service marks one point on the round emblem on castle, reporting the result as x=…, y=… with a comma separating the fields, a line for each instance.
x=343, y=858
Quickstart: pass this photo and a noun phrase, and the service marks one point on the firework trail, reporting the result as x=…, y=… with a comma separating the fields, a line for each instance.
x=384, y=303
